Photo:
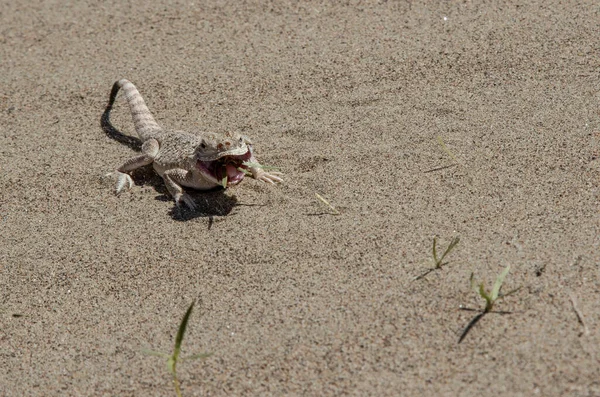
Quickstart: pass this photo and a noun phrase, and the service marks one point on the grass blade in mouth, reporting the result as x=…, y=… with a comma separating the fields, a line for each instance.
x=245, y=171
x=224, y=182
x=257, y=165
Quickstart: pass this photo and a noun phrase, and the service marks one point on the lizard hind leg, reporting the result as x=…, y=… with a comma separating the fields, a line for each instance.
x=149, y=152
x=173, y=179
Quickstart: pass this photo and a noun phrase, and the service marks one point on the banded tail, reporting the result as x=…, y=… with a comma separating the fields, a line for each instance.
x=142, y=118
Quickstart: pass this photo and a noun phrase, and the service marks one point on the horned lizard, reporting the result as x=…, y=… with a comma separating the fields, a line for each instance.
x=200, y=161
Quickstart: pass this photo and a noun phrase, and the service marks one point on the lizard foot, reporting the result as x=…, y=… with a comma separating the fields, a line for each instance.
x=186, y=199
x=123, y=181
x=269, y=177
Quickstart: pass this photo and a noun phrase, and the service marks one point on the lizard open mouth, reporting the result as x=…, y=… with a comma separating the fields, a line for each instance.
x=227, y=170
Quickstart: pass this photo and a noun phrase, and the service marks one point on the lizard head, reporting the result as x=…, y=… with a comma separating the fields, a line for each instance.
x=220, y=156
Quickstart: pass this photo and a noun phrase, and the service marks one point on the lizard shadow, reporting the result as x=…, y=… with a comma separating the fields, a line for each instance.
x=209, y=203
x=133, y=142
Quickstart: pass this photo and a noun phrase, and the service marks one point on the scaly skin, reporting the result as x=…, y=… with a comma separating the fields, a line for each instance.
x=198, y=161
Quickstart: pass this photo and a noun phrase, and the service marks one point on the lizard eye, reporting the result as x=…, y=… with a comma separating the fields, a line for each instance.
x=203, y=145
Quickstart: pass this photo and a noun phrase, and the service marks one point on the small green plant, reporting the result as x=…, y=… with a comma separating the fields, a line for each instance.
x=439, y=262
x=173, y=358
x=490, y=298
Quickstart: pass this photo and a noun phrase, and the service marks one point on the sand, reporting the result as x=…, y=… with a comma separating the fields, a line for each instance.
x=352, y=102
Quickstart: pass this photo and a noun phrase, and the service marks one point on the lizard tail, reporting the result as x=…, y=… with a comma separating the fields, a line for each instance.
x=142, y=118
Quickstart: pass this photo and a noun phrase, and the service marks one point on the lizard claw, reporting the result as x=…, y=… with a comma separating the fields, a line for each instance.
x=187, y=200
x=123, y=181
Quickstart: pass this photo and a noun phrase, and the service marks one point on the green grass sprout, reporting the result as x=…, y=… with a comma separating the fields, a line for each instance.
x=490, y=298
x=174, y=357
x=335, y=212
x=439, y=262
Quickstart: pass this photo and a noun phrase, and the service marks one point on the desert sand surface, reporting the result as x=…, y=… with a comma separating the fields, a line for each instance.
x=478, y=120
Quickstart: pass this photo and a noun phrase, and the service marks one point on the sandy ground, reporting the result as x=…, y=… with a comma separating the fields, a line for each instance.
x=351, y=102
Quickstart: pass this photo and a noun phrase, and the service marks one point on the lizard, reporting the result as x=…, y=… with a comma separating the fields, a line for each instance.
x=201, y=161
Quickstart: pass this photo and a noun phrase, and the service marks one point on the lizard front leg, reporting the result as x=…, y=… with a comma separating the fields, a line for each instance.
x=259, y=173
x=173, y=179
x=149, y=152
